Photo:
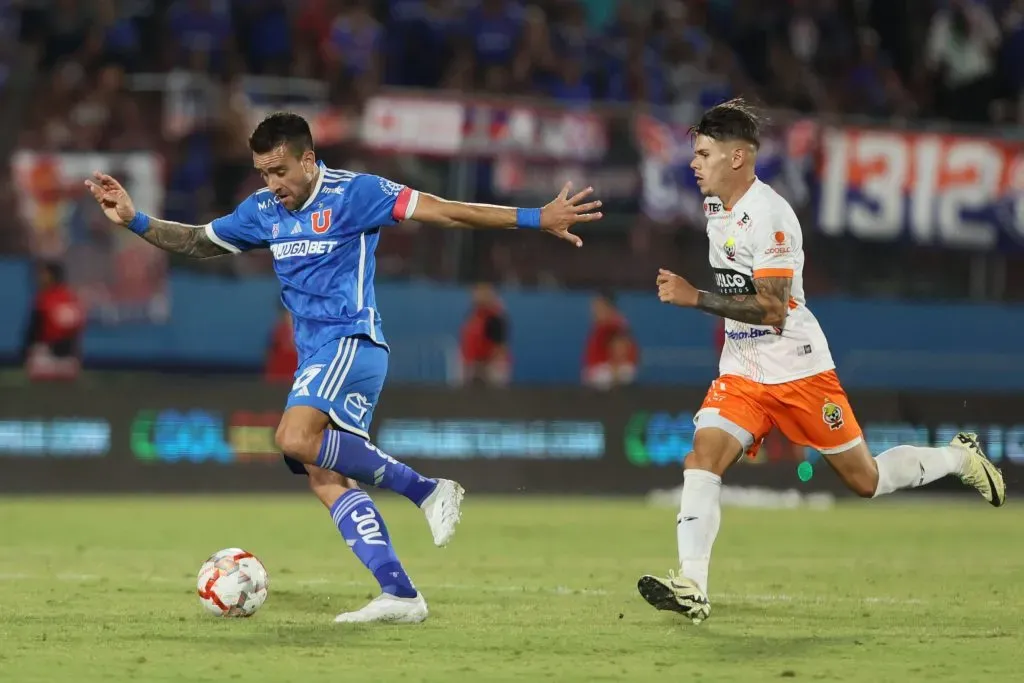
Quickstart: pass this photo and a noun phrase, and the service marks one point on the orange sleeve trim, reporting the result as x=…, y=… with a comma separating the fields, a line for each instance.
x=773, y=272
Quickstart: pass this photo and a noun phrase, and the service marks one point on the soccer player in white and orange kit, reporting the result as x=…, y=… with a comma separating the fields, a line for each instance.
x=776, y=368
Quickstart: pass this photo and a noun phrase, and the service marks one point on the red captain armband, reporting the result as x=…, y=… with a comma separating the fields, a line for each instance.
x=405, y=205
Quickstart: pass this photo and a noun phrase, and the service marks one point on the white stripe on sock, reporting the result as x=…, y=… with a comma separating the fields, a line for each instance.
x=348, y=506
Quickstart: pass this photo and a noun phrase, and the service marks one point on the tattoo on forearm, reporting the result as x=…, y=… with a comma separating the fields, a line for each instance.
x=768, y=307
x=189, y=240
x=741, y=307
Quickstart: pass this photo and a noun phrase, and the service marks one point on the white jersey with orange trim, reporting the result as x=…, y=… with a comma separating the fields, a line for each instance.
x=761, y=237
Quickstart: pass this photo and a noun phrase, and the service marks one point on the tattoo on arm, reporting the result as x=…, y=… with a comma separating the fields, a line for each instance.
x=188, y=240
x=767, y=307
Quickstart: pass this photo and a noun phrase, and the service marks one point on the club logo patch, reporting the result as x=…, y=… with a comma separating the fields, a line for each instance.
x=730, y=249
x=832, y=414
x=389, y=187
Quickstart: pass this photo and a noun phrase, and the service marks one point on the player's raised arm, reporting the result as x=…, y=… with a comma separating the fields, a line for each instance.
x=190, y=240
x=768, y=307
x=560, y=214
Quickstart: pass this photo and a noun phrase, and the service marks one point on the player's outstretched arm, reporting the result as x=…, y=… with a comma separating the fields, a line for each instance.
x=768, y=307
x=561, y=214
x=189, y=240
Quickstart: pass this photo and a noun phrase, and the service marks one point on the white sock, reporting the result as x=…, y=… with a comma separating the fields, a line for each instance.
x=905, y=467
x=700, y=515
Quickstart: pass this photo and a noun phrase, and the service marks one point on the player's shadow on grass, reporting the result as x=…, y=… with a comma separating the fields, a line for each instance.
x=726, y=643
x=290, y=619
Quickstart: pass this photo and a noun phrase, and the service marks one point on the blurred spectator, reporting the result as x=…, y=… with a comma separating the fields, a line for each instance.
x=15, y=234
x=492, y=33
x=1013, y=55
x=611, y=355
x=118, y=34
x=420, y=41
x=282, y=358
x=572, y=88
x=535, y=63
x=68, y=29
x=262, y=26
x=353, y=50
x=202, y=34
x=962, y=43
x=484, y=348
x=312, y=30
x=872, y=85
x=52, y=348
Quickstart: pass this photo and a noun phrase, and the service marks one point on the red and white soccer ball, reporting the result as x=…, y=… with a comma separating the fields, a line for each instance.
x=233, y=583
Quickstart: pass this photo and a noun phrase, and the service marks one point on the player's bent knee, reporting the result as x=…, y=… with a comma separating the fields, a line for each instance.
x=857, y=469
x=295, y=442
x=863, y=483
x=710, y=461
x=300, y=433
x=713, y=451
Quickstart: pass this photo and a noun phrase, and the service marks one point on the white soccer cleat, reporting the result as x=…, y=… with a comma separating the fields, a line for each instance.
x=979, y=471
x=675, y=594
x=387, y=609
x=443, y=508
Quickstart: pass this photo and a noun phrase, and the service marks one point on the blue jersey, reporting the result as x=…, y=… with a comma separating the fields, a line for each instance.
x=323, y=252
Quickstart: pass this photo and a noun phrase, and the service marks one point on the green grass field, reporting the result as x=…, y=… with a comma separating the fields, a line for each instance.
x=532, y=589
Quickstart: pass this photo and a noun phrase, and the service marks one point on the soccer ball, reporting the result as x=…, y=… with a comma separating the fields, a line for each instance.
x=233, y=583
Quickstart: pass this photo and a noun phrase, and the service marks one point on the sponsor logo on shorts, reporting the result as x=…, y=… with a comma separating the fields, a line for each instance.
x=832, y=414
x=357, y=405
x=302, y=382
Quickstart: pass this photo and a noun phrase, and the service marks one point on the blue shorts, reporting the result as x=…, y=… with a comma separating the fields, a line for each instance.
x=343, y=380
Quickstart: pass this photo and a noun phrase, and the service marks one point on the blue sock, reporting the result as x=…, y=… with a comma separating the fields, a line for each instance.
x=357, y=458
x=363, y=529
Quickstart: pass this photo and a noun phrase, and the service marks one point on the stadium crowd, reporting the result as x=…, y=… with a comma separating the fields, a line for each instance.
x=963, y=62
x=964, y=59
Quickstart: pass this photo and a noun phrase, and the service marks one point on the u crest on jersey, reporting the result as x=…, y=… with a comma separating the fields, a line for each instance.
x=321, y=221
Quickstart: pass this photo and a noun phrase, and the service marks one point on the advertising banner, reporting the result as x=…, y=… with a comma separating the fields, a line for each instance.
x=942, y=190
x=435, y=126
x=193, y=436
x=946, y=190
x=119, y=277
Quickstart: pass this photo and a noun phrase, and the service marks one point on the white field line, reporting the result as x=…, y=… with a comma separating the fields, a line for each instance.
x=308, y=582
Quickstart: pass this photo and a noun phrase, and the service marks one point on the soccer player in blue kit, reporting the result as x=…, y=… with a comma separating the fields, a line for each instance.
x=322, y=226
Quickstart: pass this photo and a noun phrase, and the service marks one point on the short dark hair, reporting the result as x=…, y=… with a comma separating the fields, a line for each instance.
x=735, y=119
x=281, y=128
